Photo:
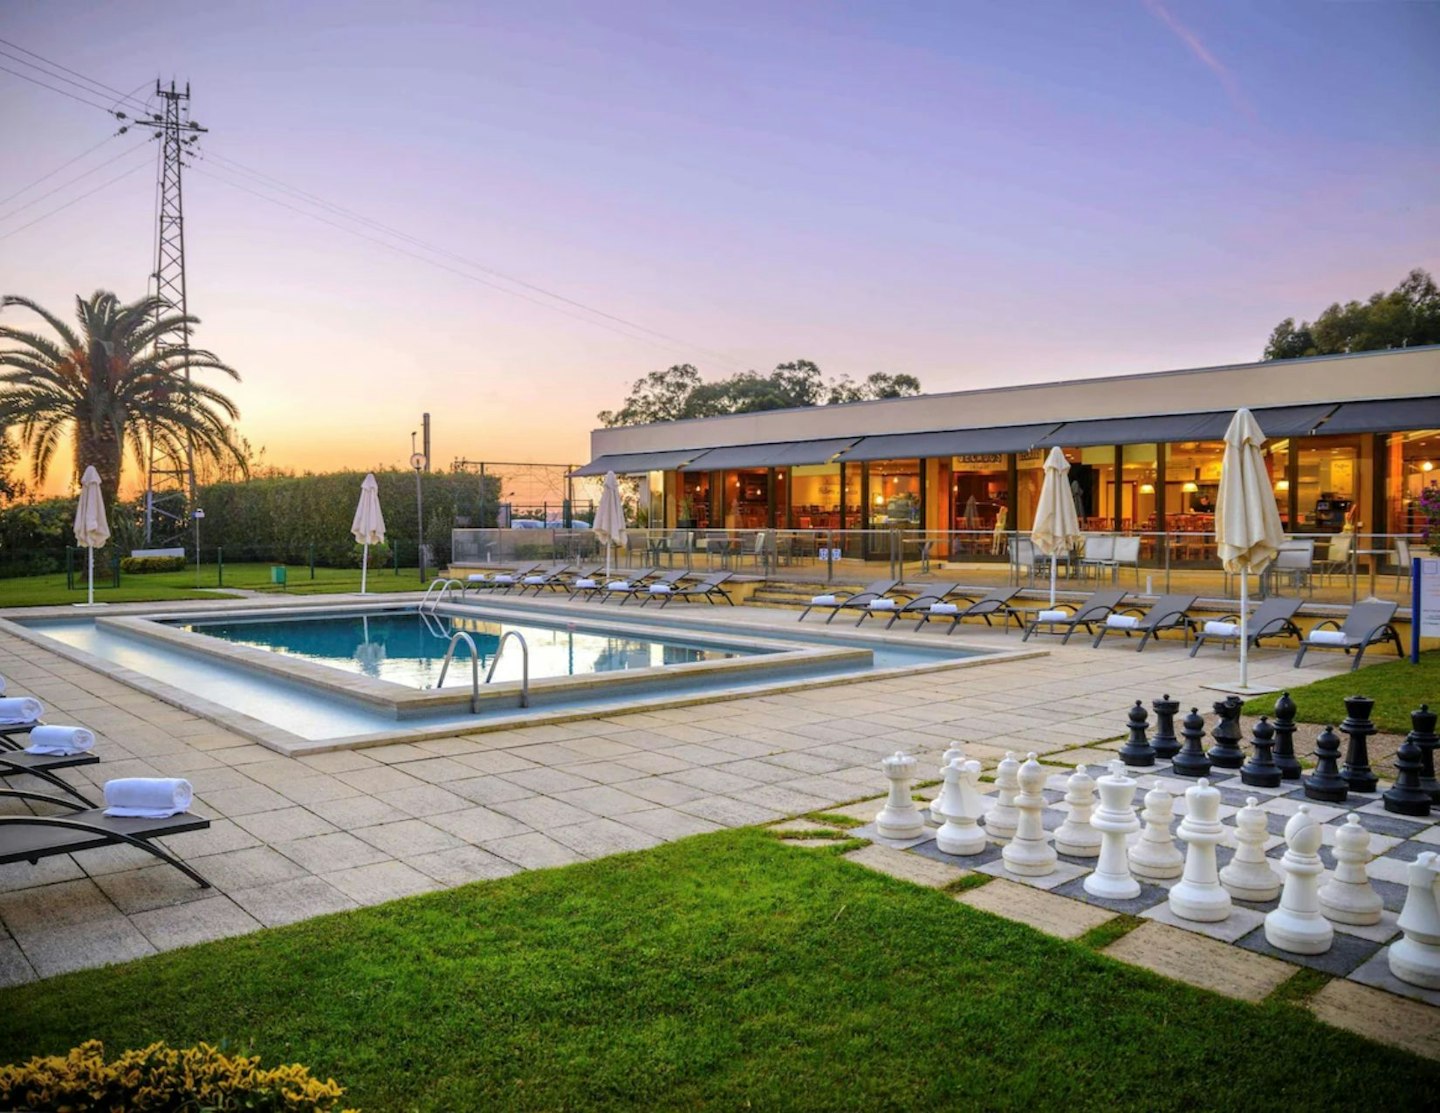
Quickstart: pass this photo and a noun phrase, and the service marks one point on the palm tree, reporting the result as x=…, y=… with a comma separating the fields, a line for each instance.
x=118, y=382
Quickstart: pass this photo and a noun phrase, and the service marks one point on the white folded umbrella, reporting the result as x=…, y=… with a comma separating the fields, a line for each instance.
x=609, y=524
x=92, y=531
x=368, y=528
x=1057, y=527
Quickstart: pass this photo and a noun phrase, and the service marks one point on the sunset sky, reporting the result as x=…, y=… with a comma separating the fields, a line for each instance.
x=974, y=193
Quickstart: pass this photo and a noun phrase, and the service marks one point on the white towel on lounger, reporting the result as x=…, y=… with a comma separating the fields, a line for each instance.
x=477, y=577
x=1053, y=616
x=587, y=582
x=618, y=585
x=19, y=710
x=824, y=601
x=1327, y=637
x=660, y=589
x=502, y=578
x=944, y=608
x=536, y=579
x=148, y=797
x=60, y=740
x=881, y=604
x=1121, y=621
x=2, y=685
x=1223, y=629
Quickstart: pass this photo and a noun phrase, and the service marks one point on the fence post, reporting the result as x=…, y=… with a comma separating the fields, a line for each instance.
x=219, y=566
x=312, y=560
x=115, y=566
x=69, y=567
x=395, y=557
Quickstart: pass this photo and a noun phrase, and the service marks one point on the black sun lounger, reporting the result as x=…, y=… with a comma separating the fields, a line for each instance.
x=1087, y=614
x=15, y=763
x=837, y=601
x=707, y=588
x=1367, y=624
x=989, y=605
x=1271, y=619
x=1169, y=612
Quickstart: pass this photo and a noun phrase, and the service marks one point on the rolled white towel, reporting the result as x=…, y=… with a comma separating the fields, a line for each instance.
x=1053, y=616
x=476, y=578
x=18, y=710
x=1121, y=621
x=586, y=582
x=148, y=797
x=1327, y=637
x=824, y=601
x=532, y=580
x=60, y=740
x=1223, y=629
x=502, y=578
x=882, y=604
x=2, y=685
x=944, y=608
x=660, y=589
x=618, y=585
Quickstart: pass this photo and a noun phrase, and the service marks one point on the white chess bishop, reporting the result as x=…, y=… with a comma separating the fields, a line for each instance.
x=1297, y=925
x=1198, y=895
x=899, y=818
x=1076, y=836
x=961, y=808
x=1416, y=958
x=1348, y=898
x=1029, y=853
x=1154, y=855
x=955, y=751
x=1001, y=819
x=1250, y=876
x=1114, y=819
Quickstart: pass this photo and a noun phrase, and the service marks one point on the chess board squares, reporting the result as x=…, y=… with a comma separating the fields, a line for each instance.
x=1375, y=971
x=1196, y=960
x=1054, y=915
x=1346, y=952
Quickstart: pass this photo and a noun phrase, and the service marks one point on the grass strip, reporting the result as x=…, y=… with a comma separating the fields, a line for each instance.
x=966, y=883
x=1102, y=935
x=831, y=819
x=1299, y=987
x=1397, y=687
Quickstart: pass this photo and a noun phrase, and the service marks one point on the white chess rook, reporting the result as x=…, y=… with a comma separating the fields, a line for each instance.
x=950, y=755
x=1154, y=855
x=1297, y=925
x=1114, y=819
x=1348, y=898
x=899, y=818
x=1029, y=853
x=1250, y=876
x=1198, y=895
x=961, y=833
x=1001, y=819
x=1076, y=836
x=1416, y=958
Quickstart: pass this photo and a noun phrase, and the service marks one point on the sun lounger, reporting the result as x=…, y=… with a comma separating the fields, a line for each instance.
x=1367, y=624
x=634, y=588
x=837, y=601
x=989, y=605
x=1088, y=614
x=595, y=586
x=18, y=762
x=1271, y=619
x=1167, y=613
x=537, y=581
x=501, y=580
x=707, y=588
x=915, y=604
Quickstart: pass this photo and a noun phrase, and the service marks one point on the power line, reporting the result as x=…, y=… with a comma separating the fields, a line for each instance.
x=99, y=85
x=53, y=89
x=72, y=201
x=52, y=173
x=79, y=177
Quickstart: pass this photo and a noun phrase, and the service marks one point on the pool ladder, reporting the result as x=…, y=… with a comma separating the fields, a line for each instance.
x=444, y=585
x=462, y=636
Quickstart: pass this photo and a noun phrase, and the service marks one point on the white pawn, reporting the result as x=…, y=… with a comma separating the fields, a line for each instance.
x=1416, y=958
x=1297, y=925
x=1250, y=876
x=1075, y=836
x=899, y=818
x=1154, y=856
x=1347, y=897
x=1114, y=820
x=1000, y=821
x=961, y=833
x=1029, y=853
x=950, y=755
x=1198, y=895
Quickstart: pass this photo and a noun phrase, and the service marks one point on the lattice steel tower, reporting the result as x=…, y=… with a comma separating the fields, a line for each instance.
x=170, y=472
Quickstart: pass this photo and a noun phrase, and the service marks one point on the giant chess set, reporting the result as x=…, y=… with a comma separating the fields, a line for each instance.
x=1330, y=868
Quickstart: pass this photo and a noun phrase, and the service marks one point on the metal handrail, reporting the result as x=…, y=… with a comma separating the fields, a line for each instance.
x=444, y=585
x=525, y=663
x=456, y=639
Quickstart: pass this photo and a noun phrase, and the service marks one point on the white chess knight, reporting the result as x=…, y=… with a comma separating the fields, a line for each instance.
x=955, y=751
x=1029, y=853
x=1416, y=958
x=899, y=818
x=1114, y=819
x=1076, y=836
x=1198, y=895
x=1000, y=820
x=961, y=808
x=1348, y=898
x=1250, y=876
x=1297, y=925
x=1154, y=855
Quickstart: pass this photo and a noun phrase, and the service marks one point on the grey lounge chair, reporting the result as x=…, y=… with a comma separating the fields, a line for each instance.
x=707, y=588
x=541, y=578
x=1167, y=613
x=1271, y=619
x=502, y=580
x=642, y=587
x=1367, y=624
x=18, y=762
x=1087, y=613
x=989, y=605
x=837, y=601
x=595, y=586
x=919, y=604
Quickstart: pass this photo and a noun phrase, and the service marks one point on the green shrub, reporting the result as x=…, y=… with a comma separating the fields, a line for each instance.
x=140, y=566
x=160, y=1078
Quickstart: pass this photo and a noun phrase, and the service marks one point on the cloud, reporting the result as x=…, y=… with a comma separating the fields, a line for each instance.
x=1201, y=52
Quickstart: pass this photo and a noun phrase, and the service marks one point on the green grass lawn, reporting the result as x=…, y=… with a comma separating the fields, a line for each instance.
x=1397, y=687
x=726, y=971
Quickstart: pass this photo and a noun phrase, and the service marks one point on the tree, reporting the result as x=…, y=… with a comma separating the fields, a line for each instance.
x=115, y=384
x=1406, y=316
x=876, y=386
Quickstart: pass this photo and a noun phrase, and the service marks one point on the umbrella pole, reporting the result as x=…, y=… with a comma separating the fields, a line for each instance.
x=90, y=575
x=1052, y=583
x=607, y=560
x=364, y=566
x=1244, y=628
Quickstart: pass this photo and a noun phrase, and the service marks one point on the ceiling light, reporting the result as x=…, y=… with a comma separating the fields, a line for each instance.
x=1147, y=488
x=1189, y=486
x=1282, y=486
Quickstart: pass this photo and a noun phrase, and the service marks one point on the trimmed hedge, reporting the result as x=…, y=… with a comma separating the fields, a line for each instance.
x=141, y=566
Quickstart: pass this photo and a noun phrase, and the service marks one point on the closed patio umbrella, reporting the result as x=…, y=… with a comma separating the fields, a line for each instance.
x=91, y=528
x=609, y=525
x=1247, y=524
x=369, y=524
x=1057, y=528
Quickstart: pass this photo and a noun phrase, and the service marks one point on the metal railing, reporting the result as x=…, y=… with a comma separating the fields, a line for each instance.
x=429, y=603
x=524, y=663
x=455, y=640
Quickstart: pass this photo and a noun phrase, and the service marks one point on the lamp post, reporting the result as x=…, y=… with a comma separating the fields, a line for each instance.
x=417, y=461
x=199, y=516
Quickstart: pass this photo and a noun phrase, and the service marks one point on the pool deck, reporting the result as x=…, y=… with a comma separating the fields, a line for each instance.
x=296, y=837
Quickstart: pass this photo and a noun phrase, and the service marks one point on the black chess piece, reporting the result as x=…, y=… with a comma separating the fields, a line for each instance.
x=1326, y=784
x=1406, y=797
x=1137, y=749
x=1261, y=770
x=1191, y=760
x=1422, y=729
x=1226, y=753
x=1357, y=725
x=1284, y=725
x=1165, y=744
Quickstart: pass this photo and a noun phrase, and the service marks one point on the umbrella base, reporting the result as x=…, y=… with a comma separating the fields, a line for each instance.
x=1242, y=689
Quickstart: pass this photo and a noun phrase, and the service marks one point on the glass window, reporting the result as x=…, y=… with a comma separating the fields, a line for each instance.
x=694, y=505
x=815, y=497
x=747, y=502
x=979, y=489
x=894, y=494
x=1329, y=483
x=1138, y=496
x=1413, y=465
x=1192, y=483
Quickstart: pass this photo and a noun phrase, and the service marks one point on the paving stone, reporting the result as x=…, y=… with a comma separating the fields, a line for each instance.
x=235, y=802
x=423, y=800
x=478, y=825
x=728, y=812
x=438, y=770
x=808, y=844
x=864, y=810
x=58, y=905
x=244, y=869
x=603, y=800
x=47, y=871
x=326, y=853
x=284, y=825
x=533, y=851
x=409, y=836
x=1241, y=922
x=1379, y=1016
x=1054, y=915
x=800, y=825
x=662, y=790
x=541, y=779
x=376, y=779
x=199, y=921
x=222, y=835
x=542, y=812
x=600, y=837
x=907, y=867
x=357, y=811
x=1201, y=961
x=462, y=865
x=99, y=941
x=286, y=902
x=670, y=824
x=152, y=886
x=316, y=789
x=380, y=882
x=1376, y=972
x=15, y=968
x=488, y=790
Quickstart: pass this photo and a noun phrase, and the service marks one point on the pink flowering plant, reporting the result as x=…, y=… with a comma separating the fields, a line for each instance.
x=1430, y=507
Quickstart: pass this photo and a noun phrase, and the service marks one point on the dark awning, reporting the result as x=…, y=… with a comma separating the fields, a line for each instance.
x=629, y=463
x=954, y=442
x=1276, y=421
x=782, y=454
x=1392, y=415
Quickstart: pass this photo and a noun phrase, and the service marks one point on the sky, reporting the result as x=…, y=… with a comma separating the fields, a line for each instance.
x=977, y=194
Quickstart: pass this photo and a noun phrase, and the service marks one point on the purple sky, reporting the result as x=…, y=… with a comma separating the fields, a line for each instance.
x=974, y=193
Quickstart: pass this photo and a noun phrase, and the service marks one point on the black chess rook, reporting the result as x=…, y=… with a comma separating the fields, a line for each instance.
x=1164, y=743
x=1358, y=728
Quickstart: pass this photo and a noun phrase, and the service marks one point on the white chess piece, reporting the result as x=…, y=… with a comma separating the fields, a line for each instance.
x=950, y=755
x=1198, y=895
x=1154, y=855
x=1297, y=925
x=1348, y=898
x=1416, y=958
x=1250, y=876
x=1001, y=820
x=1114, y=819
x=899, y=818
x=961, y=833
x=1075, y=836
x=1029, y=853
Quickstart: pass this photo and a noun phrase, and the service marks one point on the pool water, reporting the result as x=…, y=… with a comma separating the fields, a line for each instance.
x=409, y=648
